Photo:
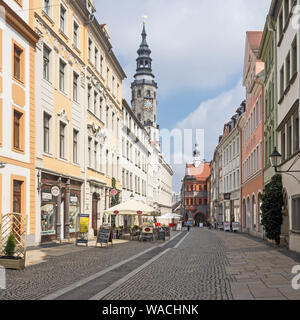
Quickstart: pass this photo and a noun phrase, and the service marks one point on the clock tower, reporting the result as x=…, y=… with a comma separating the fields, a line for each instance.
x=144, y=90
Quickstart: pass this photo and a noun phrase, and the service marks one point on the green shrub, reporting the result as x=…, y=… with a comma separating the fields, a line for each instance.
x=10, y=245
x=272, y=202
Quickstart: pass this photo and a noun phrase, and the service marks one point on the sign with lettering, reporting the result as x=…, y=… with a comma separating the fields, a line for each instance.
x=82, y=229
x=46, y=196
x=227, y=226
x=55, y=191
x=104, y=236
x=235, y=226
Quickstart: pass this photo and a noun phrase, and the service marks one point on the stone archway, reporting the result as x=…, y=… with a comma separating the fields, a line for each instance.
x=200, y=218
x=244, y=214
x=254, y=220
x=248, y=215
x=95, y=201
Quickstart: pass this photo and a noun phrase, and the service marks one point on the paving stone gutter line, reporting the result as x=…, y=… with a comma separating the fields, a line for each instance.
x=87, y=288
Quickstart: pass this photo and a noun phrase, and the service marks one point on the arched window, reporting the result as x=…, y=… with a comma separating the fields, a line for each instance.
x=254, y=220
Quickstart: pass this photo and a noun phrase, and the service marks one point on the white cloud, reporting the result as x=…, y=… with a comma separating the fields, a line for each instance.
x=196, y=44
x=211, y=116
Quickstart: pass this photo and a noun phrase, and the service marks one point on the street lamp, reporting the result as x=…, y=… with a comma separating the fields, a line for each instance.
x=2, y=165
x=275, y=159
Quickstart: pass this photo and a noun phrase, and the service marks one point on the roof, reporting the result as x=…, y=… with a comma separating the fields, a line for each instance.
x=254, y=39
x=201, y=173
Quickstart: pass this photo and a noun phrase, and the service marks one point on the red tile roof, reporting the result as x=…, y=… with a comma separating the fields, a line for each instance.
x=200, y=173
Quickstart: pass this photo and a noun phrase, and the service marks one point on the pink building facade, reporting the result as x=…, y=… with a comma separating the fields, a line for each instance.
x=252, y=141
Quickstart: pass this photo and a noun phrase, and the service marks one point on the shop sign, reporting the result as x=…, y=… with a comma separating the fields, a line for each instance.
x=55, y=191
x=226, y=226
x=235, y=226
x=46, y=196
x=227, y=196
x=84, y=223
x=73, y=199
x=48, y=233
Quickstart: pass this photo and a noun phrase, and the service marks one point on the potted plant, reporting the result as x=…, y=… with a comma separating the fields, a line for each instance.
x=10, y=260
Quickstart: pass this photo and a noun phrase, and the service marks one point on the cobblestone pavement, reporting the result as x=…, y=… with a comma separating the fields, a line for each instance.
x=259, y=271
x=196, y=270
x=214, y=265
x=206, y=265
x=63, y=266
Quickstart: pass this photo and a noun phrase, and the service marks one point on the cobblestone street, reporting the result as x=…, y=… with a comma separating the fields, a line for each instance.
x=200, y=265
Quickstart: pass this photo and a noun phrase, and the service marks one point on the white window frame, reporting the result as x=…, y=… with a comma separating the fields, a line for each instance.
x=76, y=45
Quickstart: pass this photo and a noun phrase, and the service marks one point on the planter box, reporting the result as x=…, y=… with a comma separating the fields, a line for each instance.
x=17, y=264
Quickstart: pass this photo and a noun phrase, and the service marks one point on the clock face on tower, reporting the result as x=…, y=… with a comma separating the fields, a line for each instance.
x=148, y=104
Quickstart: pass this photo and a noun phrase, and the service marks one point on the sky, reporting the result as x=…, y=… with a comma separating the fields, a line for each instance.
x=198, y=55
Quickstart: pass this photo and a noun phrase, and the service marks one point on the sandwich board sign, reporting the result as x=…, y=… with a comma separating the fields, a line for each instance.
x=104, y=236
x=83, y=229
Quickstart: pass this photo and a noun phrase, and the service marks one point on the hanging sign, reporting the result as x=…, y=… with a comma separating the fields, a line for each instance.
x=114, y=192
x=55, y=191
x=139, y=212
x=116, y=212
x=46, y=196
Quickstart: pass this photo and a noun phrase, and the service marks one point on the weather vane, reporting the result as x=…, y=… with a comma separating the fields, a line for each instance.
x=144, y=17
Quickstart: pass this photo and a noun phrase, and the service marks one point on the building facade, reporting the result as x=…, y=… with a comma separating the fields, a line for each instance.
x=288, y=39
x=252, y=130
x=229, y=147
x=196, y=189
x=18, y=113
x=78, y=117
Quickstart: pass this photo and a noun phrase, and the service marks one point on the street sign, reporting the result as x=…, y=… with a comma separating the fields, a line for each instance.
x=114, y=192
x=55, y=191
x=104, y=236
x=82, y=229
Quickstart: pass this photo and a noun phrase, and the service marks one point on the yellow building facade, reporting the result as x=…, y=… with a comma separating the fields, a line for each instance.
x=79, y=94
x=17, y=113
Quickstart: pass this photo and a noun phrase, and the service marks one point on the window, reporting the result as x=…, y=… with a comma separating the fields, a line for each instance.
x=90, y=49
x=95, y=155
x=288, y=70
x=95, y=103
x=47, y=7
x=96, y=58
x=101, y=108
x=107, y=77
x=46, y=63
x=113, y=122
x=282, y=81
x=18, y=63
x=18, y=190
x=75, y=146
x=62, y=75
x=294, y=57
x=62, y=140
x=75, y=86
x=289, y=140
x=139, y=93
x=76, y=34
x=90, y=152
x=101, y=65
x=296, y=214
x=296, y=132
x=286, y=11
x=18, y=128
x=63, y=12
x=106, y=163
x=89, y=97
x=47, y=119
x=283, y=145
x=113, y=85
x=280, y=21
x=106, y=123
x=118, y=91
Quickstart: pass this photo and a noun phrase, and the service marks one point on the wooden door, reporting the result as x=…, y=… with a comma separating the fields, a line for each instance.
x=95, y=213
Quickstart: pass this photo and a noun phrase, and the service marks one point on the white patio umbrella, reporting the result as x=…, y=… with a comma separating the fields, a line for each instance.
x=131, y=208
x=169, y=216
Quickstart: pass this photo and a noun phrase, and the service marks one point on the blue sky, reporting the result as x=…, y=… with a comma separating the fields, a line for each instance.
x=198, y=55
